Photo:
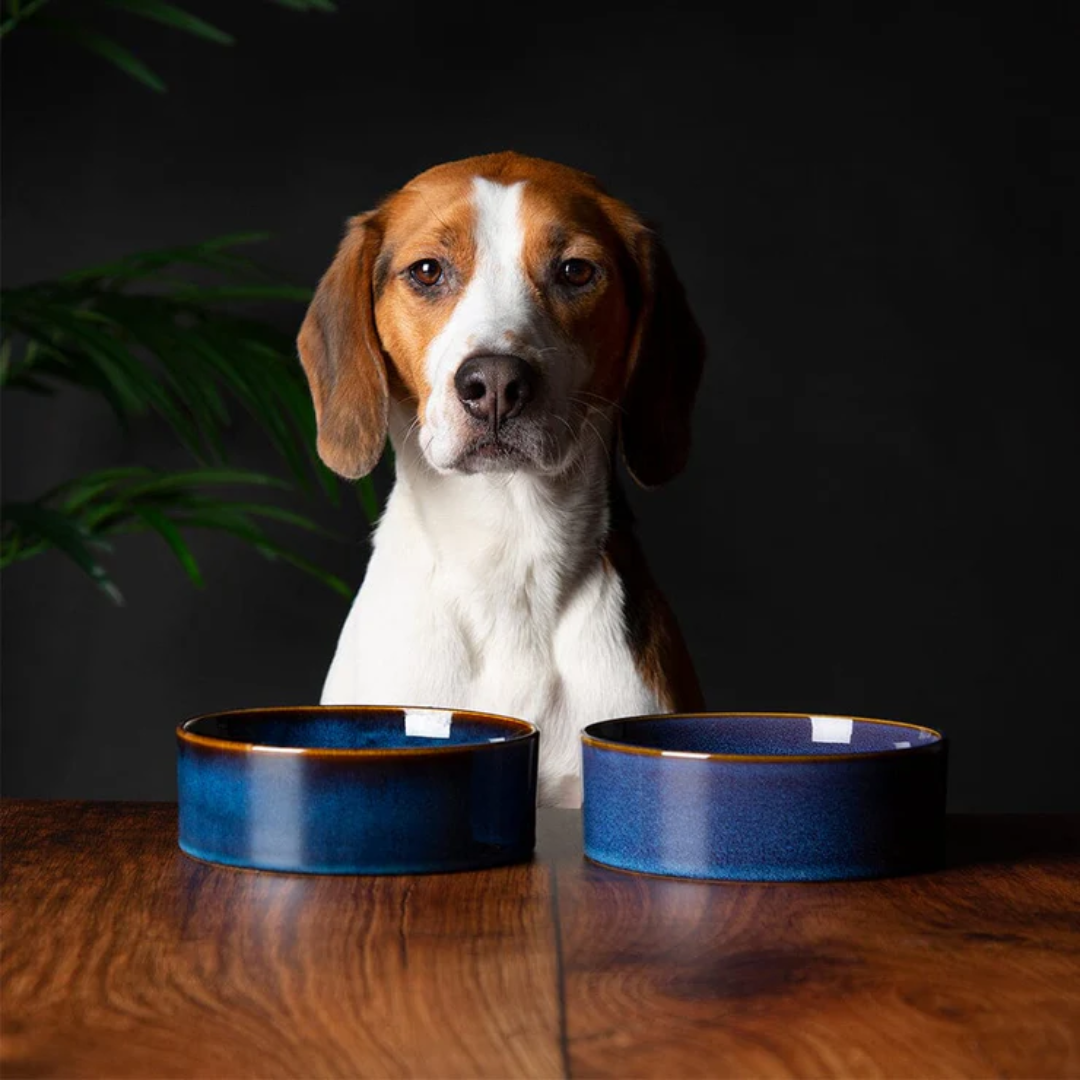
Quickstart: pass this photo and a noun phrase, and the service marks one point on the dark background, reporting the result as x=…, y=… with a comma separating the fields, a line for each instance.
x=873, y=219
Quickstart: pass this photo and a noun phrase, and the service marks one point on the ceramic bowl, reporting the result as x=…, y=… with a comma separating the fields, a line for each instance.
x=357, y=789
x=764, y=797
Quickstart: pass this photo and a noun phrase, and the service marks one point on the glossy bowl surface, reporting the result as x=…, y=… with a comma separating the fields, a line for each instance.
x=764, y=796
x=357, y=789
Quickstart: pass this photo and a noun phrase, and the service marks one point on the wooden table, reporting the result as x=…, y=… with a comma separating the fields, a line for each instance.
x=124, y=958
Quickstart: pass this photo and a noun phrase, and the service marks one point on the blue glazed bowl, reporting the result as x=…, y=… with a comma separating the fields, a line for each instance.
x=357, y=789
x=764, y=797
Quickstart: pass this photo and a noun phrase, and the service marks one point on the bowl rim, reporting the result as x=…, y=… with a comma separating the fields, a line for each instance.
x=938, y=743
x=528, y=731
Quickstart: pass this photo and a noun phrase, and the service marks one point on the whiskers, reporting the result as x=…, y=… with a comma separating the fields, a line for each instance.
x=579, y=395
x=575, y=461
x=583, y=437
x=415, y=429
x=604, y=444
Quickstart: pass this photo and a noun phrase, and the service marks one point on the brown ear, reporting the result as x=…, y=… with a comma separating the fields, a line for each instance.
x=343, y=359
x=667, y=352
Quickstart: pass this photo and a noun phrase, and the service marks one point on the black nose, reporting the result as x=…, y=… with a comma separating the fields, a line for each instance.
x=495, y=388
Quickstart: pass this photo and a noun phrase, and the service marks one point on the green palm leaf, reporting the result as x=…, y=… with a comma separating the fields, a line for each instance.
x=213, y=254
x=180, y=351
x=42, y=526
x=229, y=519
x=107, y=49
x=171, y=15
x=19, y=13
x=79, y=516
x=154, y=334
x=168, y=531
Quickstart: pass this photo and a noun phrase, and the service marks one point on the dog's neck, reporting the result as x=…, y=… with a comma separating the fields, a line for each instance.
x=510, y=535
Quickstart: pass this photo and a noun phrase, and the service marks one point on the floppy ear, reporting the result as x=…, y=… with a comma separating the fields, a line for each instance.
x=667, y=352
x=343, y=359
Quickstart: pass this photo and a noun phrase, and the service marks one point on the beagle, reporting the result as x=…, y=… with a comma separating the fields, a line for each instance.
x=506, y=324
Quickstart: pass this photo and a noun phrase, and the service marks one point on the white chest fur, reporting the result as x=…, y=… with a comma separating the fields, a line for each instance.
x=488, y=592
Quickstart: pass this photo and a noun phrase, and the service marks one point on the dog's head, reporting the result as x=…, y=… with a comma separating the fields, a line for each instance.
x=503, y=300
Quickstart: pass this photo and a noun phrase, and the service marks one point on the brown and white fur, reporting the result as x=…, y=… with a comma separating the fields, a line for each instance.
x=505, y=575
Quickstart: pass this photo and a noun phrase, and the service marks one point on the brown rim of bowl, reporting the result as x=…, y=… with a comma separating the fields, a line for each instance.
x=587, y=739
x=526, y=731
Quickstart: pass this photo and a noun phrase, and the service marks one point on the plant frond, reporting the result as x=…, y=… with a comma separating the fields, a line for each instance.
x=171, y=15
x=78, y=517
x=181, y=350
x=108, y=49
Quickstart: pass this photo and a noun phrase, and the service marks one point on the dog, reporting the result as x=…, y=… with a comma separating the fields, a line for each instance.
x=507, y=324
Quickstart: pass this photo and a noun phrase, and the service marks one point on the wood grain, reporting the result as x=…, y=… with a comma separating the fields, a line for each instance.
x=970, y=972
x=123, y=958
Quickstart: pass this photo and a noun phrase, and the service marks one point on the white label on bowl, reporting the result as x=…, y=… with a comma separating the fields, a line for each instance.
x=831, y=729
x=902, y=745
x=428, y=723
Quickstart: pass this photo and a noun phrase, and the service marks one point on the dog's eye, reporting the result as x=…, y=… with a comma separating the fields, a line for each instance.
x=426, y=272
x=577, y=272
